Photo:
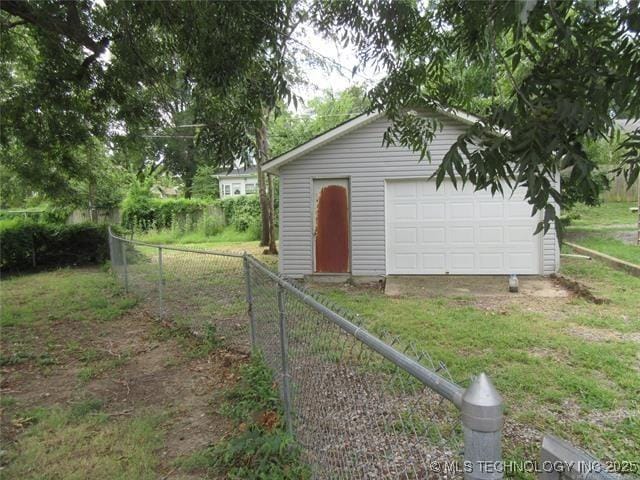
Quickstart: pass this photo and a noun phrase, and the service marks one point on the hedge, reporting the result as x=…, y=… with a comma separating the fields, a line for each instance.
x=243, y=212
x=29, y=245
x=145, y=213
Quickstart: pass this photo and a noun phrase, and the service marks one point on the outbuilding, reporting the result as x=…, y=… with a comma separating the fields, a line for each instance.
x=351, y=206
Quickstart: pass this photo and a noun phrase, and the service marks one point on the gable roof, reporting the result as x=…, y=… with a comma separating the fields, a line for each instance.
x=237, y=172
x=344, y=128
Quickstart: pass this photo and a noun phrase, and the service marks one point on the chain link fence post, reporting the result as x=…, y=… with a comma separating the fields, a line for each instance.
x=252, y=320
x=482, y=419
x=285, y=361
x=160, y=283
x=123, y=245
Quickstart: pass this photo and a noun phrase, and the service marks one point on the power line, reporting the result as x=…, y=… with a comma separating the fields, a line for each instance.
x=287, y=35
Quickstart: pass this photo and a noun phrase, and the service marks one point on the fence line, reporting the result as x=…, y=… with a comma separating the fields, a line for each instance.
x=358, y=404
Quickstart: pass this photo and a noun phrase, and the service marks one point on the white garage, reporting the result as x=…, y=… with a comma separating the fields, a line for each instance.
x=350, y=205
x=449, y=231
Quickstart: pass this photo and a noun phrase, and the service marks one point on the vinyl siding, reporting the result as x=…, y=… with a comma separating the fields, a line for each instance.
x=359, y=156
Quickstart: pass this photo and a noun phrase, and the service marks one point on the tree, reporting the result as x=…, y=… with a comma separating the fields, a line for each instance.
x=562, y=71
x=325, y=112
x=73, y=72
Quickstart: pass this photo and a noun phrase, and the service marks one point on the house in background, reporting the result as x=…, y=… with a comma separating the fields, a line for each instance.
x=165, y=192
x=350, y=206
x=240, y=181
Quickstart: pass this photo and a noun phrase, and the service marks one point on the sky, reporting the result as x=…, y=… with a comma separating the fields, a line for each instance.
x=336, y=78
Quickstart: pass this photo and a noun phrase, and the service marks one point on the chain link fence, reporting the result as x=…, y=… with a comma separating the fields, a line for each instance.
x=361, y=406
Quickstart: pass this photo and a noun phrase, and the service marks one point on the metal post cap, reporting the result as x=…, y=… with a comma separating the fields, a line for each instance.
x=482, y=406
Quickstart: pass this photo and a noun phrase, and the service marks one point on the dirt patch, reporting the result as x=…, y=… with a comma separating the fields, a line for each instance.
x=579, y=289
x=131, y=369
x=602, y=335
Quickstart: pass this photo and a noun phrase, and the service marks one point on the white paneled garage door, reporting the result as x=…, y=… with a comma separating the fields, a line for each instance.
x=453, y=231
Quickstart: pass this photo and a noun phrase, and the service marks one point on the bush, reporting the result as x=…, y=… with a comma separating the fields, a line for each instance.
x=212, y=226
x=26, y=244
x=242, y=212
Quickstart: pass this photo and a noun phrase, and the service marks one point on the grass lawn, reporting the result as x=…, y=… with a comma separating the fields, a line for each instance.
x=228, y=235
x=93, y=387
x=608, y=215
x=564, y=365
x=609, y=228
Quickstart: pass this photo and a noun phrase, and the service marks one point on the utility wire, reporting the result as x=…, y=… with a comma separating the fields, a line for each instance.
x=295, y=40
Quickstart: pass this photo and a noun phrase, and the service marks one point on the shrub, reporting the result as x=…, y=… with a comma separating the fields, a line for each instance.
x=242, y=212
x=212, y=226
x=25, y=244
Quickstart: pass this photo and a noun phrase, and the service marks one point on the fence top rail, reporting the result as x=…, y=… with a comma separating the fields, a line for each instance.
x=429, y=378
x=176, y=249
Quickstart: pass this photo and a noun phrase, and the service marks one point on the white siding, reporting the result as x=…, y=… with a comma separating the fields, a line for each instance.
x=361, y=157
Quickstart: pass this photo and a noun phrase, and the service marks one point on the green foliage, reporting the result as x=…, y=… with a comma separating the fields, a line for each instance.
x=25, y=244
x=43, y=213
x=255, y=392
x=287, y=131
x=560, y=70
x=141, y=211
x=58, y=92
x=243, y=212
x=204, y=185
x=263, y=449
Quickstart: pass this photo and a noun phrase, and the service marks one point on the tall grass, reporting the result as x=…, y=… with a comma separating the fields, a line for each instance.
x=226, y=235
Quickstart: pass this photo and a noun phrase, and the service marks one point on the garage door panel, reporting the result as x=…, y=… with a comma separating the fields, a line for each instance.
x=434, y=262
x=461, y=211
x=463, y=236
x=430, y=212
x=406, y=235
x=458, y=231
x=491, y=235
x=404, y=211
x=491, y=210
x=433, y=236
x=491, y=262
x=407, y=261
x=461, y=262
x=520, y=261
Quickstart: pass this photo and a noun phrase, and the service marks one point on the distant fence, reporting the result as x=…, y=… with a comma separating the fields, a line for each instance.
x=618, y=191
x=103, y=216
x=360, y=405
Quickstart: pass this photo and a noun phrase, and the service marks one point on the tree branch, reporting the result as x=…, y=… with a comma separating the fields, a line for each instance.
x=70, y=27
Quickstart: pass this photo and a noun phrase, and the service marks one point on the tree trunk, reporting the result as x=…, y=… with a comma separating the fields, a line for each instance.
x=268, y=231
x=264, y=205
x=272, y=214
x=188, y=186
x=93, y=213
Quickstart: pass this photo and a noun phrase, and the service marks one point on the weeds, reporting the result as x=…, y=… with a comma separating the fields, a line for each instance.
x=262, y=449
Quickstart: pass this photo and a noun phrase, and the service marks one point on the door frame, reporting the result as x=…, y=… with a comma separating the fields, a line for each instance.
x=387, y=180
x=313, y=221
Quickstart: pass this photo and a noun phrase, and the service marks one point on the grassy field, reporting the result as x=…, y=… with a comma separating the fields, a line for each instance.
x=609, y=228
x=606, y=216
x=94, y=387
x=564, y=365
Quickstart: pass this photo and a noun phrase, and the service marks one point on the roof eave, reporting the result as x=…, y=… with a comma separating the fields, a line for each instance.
x=273, y=165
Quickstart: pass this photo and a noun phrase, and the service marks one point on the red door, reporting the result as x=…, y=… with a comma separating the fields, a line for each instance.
x=332, y=226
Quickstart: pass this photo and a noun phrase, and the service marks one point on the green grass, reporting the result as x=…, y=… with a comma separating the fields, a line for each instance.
x=532, y=353
x=610, y=246
x=606, y=215
x=82, y=441
x=228, y=235
x=71, y=294
x=599, y=227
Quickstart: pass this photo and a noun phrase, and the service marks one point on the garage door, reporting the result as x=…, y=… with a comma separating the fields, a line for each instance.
x=453, y=231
